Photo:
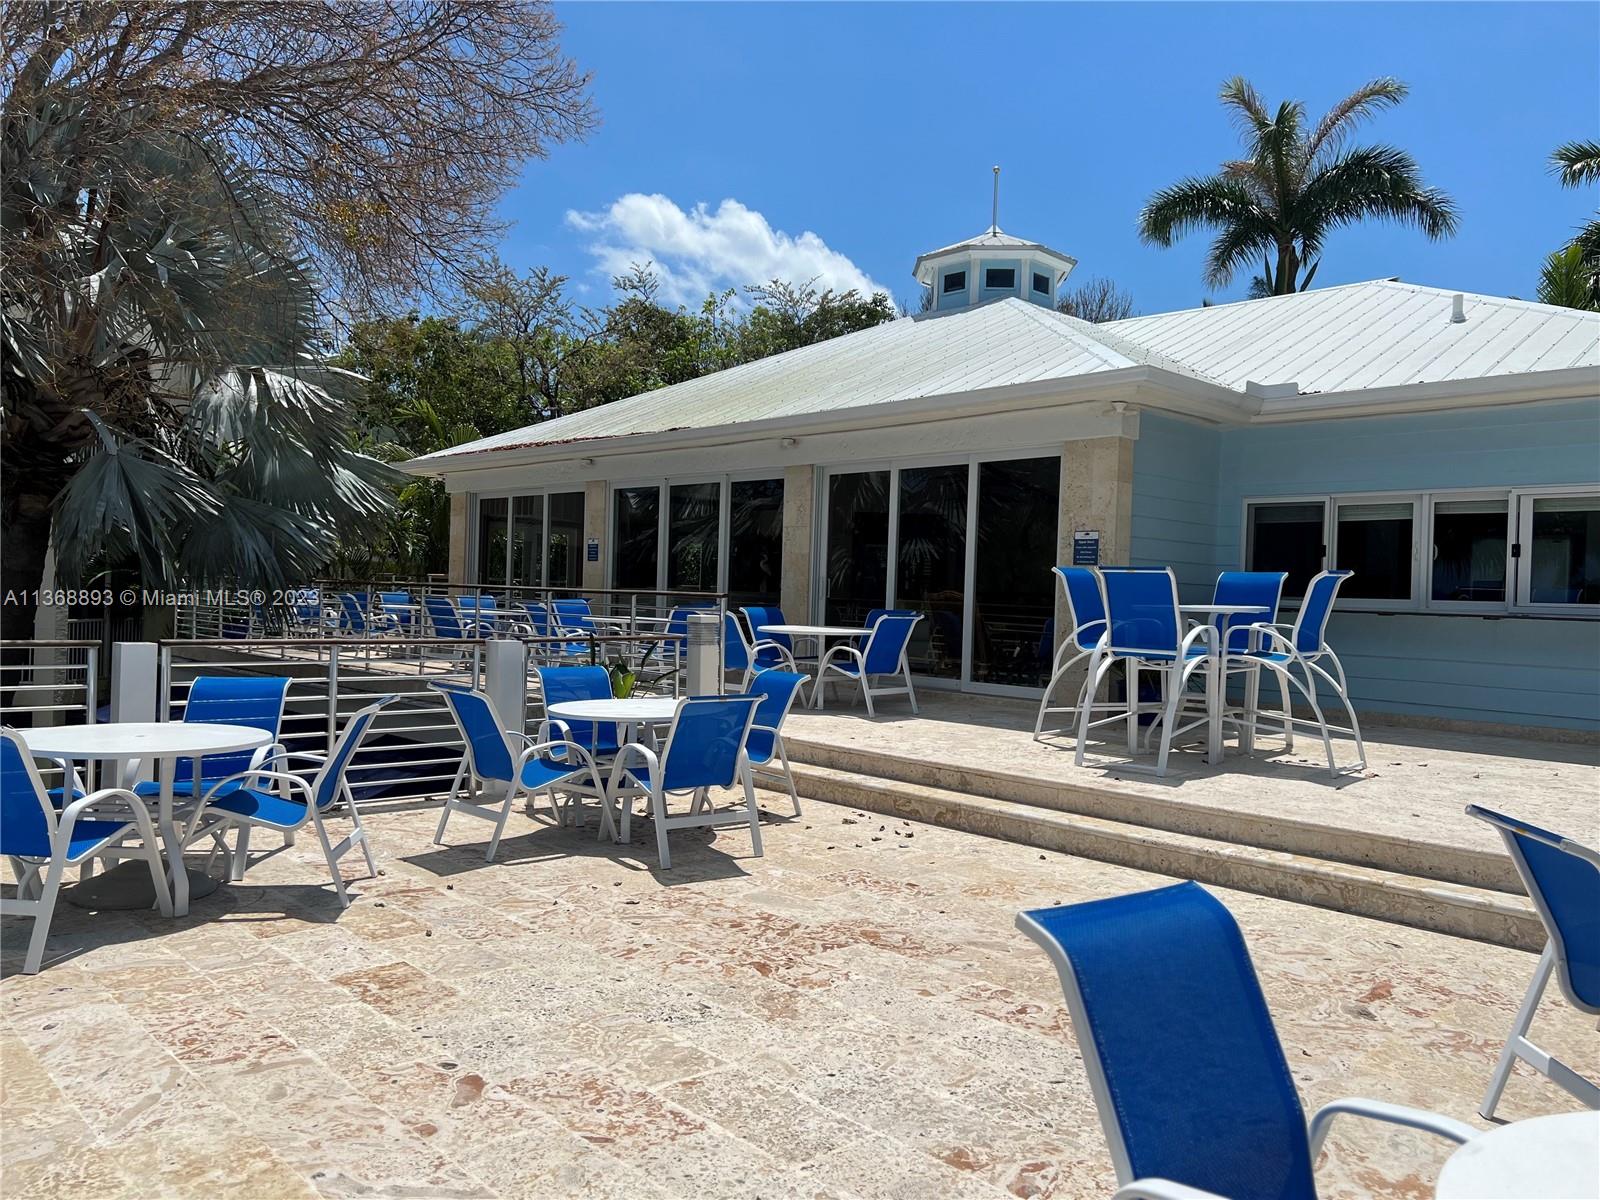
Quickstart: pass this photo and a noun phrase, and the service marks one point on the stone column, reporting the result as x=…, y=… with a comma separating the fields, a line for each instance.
x=594, y=526
x=799, y=525
x=458, y=537
x=1096, y=493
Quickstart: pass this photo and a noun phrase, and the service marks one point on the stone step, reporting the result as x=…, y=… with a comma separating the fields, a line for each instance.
x=1087, y=796
x=1457, y=909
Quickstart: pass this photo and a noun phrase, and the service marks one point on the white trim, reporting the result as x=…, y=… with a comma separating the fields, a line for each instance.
x=1470, y=607
x=1414, y=501
x=1522, y=502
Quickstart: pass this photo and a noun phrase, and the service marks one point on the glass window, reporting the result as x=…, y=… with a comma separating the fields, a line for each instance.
x=1286, y=537
x=1374, y=540
x=956, y=281
x=564, y=553
x=1469, y=550
x=1013, y=600
x=931, y=564
x=755, y=541
x=693, y=535
x=1564, y=550
x=493, y=514
x=1000, y=277
x=636, y=525
x=527, y=541
x=1041, y=283
x=858, y=546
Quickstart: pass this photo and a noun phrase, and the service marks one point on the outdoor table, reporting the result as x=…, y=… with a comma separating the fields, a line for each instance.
x=1214, y=674
x=128, y=741
x=1545, y=1158
x=819, y=633
x=625, y=714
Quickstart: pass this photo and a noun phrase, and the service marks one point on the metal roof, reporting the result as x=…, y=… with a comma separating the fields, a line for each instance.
x=1363, y=336
x=991, y=240
x=1382, y=333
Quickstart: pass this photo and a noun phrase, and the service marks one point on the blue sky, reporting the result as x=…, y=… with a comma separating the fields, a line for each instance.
x=872, y=128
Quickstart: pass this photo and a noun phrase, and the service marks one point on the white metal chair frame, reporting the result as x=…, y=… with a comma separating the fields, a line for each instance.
x=39, y=879
x=753, y=649
x=623, y=786
x=497, y=811
x=843, y=650
x=1068, y=655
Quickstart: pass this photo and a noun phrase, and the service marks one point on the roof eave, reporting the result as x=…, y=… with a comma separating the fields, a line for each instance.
x=1569, y=383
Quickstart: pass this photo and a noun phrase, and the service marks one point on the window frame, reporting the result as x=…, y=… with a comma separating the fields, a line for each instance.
x=511, y=496
x=664, y=486
x=1323, y=498
x=1480, y=607
x=1034, y=283
x=1522, y=547
x=999, y=287
x=945, y=280
x=1415, y=500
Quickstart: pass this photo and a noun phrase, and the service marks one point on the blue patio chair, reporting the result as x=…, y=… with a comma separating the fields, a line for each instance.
x=42, y=843
x=872, y=618
x=447, y=623
x=255, y=701
x=1144, y=632
x=777, y=690
x=759, y=615
x=1296, y=654
x=560, y=684
x=307, y=616
x=498, y=758
x=573, y=613
x=705, y=749
x=539, y=626
x=883, y=656
x=1186, y=1069
x=741, y=655
x=247, y=801
x=401, y=608
x=357, y=620
x=1086, y=615
x=1563, y=878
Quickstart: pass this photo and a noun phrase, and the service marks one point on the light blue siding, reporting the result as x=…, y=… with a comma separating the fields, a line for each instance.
x=1175, y=490
x=1515, y=670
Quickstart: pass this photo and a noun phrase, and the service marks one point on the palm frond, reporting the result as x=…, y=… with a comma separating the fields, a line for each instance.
x=1195, y=203
x=1569, y=280
x=1371, y=181
x=1248, y=110
x=1344, y=117
x=1576, y=163
x=1235, y=248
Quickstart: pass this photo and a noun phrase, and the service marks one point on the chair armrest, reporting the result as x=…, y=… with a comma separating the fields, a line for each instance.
x=566, y=746
x=104, y=797
x=284, y=777
x=841, y=648
x=1162, y=1189
x=619, y=764
x=1392, y=1114
x=784, y=652
x=1200, y=633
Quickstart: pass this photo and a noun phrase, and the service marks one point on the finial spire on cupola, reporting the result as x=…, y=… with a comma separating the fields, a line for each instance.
x=993, y=266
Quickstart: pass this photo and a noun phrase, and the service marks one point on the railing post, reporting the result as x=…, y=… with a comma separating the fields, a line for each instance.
x=333, y=696
x=136, y=692
x=506, y=680
x=91, y=686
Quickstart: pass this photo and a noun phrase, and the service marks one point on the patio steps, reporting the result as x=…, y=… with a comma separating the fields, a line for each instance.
x=1462, y=910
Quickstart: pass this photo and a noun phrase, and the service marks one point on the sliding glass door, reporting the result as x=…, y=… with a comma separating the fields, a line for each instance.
x=967, y=543
x=529, y=540
x=721, y=534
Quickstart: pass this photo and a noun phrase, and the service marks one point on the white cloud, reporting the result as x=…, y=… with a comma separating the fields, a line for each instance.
x=702, y=250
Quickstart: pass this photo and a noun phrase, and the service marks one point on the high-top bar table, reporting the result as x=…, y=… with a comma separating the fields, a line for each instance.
x=132, y=741
x=1216, y=679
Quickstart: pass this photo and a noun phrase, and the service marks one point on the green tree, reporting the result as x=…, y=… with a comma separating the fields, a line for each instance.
x=1571, y=276
x=1295, y=185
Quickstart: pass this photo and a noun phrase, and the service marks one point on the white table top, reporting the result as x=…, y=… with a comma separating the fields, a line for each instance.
x=1545, y=1158
x=142, y=739
x=634, y=708
x=815, y=630
x=1224, y=610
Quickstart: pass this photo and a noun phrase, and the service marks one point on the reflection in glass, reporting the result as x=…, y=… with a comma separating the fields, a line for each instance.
x=1013, y=603
x=1286, y=537
x=931, y=564
x=634, y=537
x=1375, y=542
x=492, y=522
x=858, y=546
x=755, y=541
x=1469, y=550
x=527, y=541
x=564, y=555
x=1565, y=561
x=695, y=509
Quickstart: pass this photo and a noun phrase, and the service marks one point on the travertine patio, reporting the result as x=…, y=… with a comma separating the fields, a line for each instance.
x=852, y=1015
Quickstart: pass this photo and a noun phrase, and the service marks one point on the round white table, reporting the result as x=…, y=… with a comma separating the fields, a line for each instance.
x=1214, y=679
x=127, y=742
x=821, y=634
x=1545, y=1158
x=635, y=710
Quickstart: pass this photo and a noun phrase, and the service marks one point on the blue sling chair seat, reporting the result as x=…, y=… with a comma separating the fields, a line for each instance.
x=504, y=763
x=246, y=801
x=42, y=843
x=705, y=749
x=1563, y=879
x=1194, y=1094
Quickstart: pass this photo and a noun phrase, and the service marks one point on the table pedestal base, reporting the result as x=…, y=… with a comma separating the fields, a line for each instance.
x=128, y=886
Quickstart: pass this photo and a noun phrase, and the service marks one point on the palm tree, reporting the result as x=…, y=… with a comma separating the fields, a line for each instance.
x=1578, y=163
x=1295, y=186
x=164, y=391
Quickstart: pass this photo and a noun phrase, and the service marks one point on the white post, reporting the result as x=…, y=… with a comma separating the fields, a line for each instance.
x=506, y=680
x=702, y=654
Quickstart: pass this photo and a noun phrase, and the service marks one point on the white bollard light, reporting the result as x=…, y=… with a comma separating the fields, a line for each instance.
x=703, y=655
x=505, y=671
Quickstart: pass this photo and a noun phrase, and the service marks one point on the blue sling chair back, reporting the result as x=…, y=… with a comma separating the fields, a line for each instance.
x=398, y=607
x=559, y=685
x=445, y=620
x=1188, y=1075
x=255, y=701
x=1562, y=878
x=42, y=843
x=247, y=801
x=882, y=656
x=705, y=749
x=741, y=655
x=1086, y=623
x=1303, y=662
x=777, y=690
x=503, y=763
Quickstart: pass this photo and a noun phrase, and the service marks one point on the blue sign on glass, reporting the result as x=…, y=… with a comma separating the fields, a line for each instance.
x=1086, y=548
x=594, y=550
